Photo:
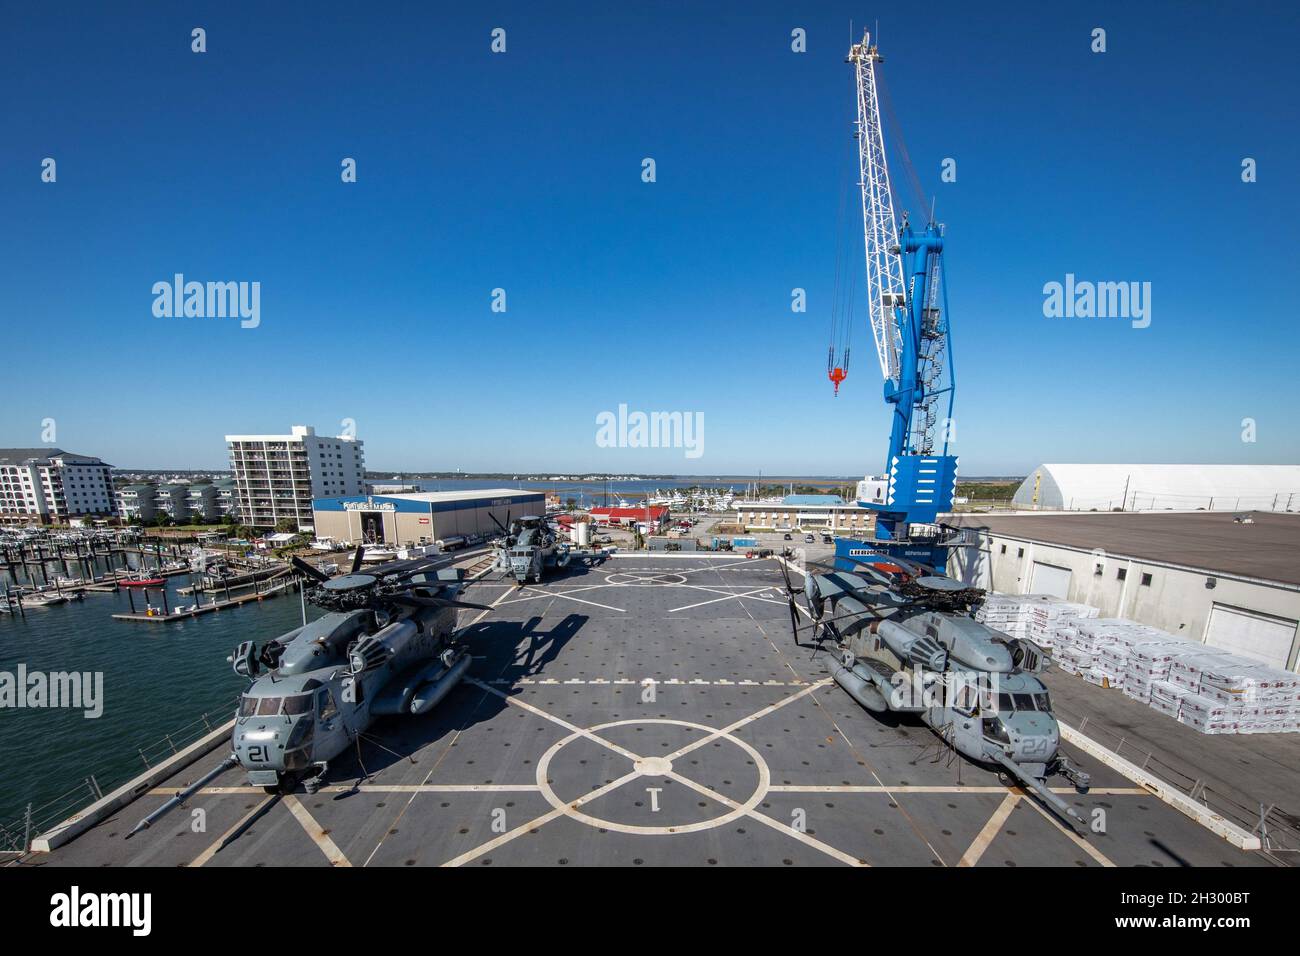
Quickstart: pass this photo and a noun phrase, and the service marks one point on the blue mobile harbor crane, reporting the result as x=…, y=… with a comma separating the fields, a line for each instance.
x=908, y=299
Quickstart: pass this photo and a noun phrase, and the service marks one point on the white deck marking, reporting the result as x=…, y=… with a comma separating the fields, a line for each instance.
x=725, y=597
x=532, y=787
x=572, y=728
x=538, y=821
x=211, y=851
x=920, y=788
x=681, y=752
x=435, y=788
x=568, y=597
x=989, y=831
x=1079, y=841
x=788, y=830
x=316, y=832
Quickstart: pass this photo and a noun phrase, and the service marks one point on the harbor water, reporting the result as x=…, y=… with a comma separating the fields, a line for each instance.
x=158, y=679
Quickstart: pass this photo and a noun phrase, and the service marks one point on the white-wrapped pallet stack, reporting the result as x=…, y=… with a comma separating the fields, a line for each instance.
x=1225, y=694
x=1048, y=618
x=1009, y=613
x=1104, y=644
x=1212, y=691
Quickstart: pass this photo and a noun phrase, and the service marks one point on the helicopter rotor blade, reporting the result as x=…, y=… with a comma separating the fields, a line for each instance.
x=870, y=568
x=402, y=570
x=307, y=570
x=418, y=600
x=356, y=559
x=789, y=597
x=794, y=619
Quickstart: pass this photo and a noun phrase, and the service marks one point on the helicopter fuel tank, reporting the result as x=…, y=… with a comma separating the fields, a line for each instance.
x=860, y=686
x=432, y=693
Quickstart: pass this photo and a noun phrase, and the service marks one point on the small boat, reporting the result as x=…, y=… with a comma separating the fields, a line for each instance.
x=141, y=581
x=374, y=553
x=43, y=600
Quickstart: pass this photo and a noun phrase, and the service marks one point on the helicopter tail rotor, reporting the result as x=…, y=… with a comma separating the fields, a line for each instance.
x=815, y=610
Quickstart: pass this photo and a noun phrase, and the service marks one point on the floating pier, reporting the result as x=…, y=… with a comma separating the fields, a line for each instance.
x=177, y=614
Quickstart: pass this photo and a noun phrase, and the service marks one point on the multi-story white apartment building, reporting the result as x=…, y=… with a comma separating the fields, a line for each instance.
x=227, y=498
x=47, y=485
x=173, y=501
x=202, y=501
x=278, y=476
x=136, y=502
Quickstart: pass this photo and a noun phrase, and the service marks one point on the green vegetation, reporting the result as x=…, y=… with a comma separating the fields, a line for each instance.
x=847, y=492
x=994, y=489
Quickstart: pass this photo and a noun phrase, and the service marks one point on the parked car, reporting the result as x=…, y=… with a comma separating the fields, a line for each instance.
x=788, y=538
x=808, y=539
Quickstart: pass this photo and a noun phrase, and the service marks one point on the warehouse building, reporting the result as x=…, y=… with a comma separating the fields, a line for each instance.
x=1161, y=488
x=1230, y=581
x=422, y=518
x=825, y=513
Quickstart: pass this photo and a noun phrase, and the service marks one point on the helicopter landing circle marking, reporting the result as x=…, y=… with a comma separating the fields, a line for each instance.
x=653, y=766
x=656, y=766
x=644, y=579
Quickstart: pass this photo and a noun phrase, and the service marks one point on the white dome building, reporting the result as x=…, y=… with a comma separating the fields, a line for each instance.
x=1161, y=488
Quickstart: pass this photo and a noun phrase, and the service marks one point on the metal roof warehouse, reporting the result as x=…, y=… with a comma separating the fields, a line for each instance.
x=421, y=518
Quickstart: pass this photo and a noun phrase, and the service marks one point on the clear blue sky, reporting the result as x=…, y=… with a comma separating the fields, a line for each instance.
x=523, y=171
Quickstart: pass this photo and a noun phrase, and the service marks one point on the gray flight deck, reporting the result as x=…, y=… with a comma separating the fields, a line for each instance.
x=651, y=711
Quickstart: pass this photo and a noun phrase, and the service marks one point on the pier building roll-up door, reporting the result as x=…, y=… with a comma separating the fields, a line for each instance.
x=1049, y=579
x=1261, y=637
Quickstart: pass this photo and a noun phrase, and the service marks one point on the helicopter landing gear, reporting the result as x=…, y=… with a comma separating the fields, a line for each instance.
x=312, y=784
x=1079, y=778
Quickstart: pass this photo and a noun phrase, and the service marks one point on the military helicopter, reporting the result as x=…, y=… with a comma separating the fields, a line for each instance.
x=387, y=646
x=530, y=545
x=908, y=644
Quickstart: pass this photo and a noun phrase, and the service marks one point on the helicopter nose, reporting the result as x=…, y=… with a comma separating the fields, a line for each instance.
x=1033, y=736
x=260, y=747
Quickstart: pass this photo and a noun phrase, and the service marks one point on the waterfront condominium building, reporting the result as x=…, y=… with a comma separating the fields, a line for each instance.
x=137, y=502
x=49, y=485
x=278, y=476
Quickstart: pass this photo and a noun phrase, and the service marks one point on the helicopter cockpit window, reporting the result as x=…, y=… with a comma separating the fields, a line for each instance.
x=298, y=704
x=268, y=706
x=247, y=706
x=1044, y=703
x=966, y=699
x=1005, y=704
x=327, y=706
x=1024, y=702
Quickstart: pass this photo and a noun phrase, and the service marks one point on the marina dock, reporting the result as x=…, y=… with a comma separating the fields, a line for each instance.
x=181, y=614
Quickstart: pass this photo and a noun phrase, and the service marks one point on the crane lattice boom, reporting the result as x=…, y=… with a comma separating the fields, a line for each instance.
x=885, y=291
